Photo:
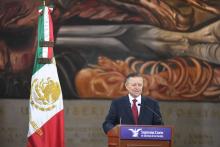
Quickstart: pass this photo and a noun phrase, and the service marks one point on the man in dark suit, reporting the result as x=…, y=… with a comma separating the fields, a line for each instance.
x=133, y=109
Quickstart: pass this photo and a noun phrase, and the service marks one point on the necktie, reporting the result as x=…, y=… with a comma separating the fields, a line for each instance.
x=135, y=111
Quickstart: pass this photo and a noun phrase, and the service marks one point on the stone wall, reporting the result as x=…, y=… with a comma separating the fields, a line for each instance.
x=196, y=124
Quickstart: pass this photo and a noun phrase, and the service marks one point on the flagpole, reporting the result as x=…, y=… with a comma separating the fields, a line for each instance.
x=45, y=43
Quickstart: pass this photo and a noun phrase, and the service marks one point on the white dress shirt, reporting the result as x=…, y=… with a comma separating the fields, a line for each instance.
x=138, y=101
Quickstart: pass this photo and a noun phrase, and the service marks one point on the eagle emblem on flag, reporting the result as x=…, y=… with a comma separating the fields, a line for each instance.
x=45, y=93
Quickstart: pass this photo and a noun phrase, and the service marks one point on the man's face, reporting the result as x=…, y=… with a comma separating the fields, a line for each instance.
x=134, y=85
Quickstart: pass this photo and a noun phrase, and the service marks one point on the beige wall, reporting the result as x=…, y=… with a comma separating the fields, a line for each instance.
x=195, y=124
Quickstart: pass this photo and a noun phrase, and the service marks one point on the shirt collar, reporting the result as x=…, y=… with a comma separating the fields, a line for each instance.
x=137, y=98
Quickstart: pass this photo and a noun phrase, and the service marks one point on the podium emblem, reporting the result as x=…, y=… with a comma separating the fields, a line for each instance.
x=135, y=132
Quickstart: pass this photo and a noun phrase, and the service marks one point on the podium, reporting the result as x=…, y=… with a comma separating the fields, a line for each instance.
x=140, y=136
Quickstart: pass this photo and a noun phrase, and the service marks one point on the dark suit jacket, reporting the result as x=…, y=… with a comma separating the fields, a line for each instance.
x=120, y=113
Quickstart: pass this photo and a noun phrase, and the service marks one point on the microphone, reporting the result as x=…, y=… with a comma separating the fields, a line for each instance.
x=149, y=108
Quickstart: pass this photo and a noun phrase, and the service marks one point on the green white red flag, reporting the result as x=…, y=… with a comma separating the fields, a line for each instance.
x=46, y=114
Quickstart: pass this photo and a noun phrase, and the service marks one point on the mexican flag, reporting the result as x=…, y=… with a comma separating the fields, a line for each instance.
x=46, y=115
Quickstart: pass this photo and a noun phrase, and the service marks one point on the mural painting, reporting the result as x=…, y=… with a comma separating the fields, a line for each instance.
x=173, y=44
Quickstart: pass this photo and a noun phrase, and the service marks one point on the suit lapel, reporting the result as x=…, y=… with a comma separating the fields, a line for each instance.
x=128, y=110
x=143, y=111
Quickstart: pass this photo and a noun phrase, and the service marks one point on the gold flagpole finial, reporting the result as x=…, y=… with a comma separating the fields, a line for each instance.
x=44, y=3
